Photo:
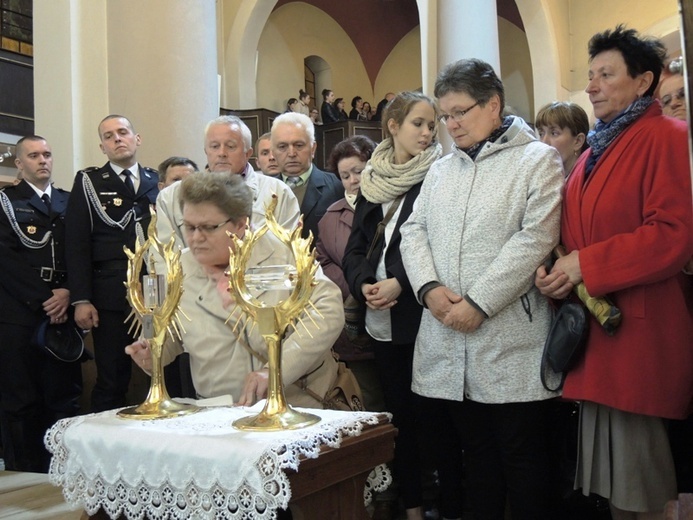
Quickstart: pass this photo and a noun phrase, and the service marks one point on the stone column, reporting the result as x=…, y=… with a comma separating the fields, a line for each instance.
x=468, y=29
x=452, y=30
x=154, y=62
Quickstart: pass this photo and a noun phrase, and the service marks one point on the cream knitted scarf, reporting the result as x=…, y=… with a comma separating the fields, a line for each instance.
x=382, y=180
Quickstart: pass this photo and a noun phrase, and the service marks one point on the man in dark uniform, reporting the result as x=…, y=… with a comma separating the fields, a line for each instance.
x=109, y=207
x=36, y=389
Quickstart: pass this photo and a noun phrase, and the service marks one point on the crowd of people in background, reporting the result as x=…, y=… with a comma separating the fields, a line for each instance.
x=437, y=287
x=333, y=109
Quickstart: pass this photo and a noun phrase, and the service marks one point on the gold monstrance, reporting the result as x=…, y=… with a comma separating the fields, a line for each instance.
x=273, y=321
x=155, y=310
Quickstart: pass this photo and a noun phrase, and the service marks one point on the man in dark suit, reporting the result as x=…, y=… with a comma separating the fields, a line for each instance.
x=293, y=146
x=381, y=106
x=109, y=207
x=36, y=389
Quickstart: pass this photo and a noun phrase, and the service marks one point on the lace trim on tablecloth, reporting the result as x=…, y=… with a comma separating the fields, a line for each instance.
x=91, y=491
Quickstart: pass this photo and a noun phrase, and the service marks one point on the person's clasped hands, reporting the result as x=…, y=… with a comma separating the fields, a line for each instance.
x=452, y=310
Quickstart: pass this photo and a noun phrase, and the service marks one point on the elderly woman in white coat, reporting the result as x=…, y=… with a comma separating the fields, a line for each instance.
x=487, y=216
x=229, y=360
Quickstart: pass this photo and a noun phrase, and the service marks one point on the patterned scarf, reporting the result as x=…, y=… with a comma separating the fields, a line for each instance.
x=604, y=134
x=382, y=180
x=473, y=150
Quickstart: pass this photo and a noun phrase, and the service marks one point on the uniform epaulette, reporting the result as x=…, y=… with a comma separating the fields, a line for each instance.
x=151, y=170
x=91, y=169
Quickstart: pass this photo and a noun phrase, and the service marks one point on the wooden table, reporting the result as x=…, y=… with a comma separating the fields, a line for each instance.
x=331, y=486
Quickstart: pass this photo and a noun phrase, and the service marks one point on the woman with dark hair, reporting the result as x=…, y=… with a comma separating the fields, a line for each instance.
x=292, y=105
x=373, y=268
x=314, y=116
x=564, y=126
x=304, y=101
x=339, y=107
x=366, y=111
x=348, y=159
x=628, y=226
x=356, y=106
x=328, y=112
x=488, y=215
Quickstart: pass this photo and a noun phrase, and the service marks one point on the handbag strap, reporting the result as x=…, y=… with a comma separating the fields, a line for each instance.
x=542, y=374
x=380, y=229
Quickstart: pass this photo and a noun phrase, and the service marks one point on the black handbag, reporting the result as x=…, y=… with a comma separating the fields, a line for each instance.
x=565, y=343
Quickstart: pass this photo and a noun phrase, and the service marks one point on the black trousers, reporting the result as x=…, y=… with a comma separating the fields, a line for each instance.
x=681, y=441
x=394, y=364
x=443, y=447
x=36, y=390
x=113, y=365
x=506, y=456
x=426, y=428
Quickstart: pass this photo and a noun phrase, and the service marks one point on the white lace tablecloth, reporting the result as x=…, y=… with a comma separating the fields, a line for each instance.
x=197, y=466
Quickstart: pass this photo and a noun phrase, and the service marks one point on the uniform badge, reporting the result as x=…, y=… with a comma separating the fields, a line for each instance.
x=117, y=201
x=31, y=229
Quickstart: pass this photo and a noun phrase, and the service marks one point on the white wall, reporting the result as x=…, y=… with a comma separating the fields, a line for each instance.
x=293, y=32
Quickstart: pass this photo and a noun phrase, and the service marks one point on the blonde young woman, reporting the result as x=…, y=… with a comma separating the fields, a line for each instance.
x=390, y=185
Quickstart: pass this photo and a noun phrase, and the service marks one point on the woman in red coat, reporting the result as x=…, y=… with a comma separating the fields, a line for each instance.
x=628, y=225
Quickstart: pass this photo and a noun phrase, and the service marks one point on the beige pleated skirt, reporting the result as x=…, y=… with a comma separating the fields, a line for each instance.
x=625, y=458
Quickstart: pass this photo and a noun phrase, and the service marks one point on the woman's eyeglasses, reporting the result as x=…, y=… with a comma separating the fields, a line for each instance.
x=680, y=95
x=205, y=229
x=457, y=115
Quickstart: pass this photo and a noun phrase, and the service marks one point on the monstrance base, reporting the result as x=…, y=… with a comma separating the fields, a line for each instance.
x=288, y=419
x=163, y=409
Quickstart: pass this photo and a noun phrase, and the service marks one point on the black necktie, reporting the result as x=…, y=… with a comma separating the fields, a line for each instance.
x=128, y=181
x=47, y=201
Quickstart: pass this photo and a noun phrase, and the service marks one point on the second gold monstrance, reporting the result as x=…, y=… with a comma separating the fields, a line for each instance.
x=273, y=321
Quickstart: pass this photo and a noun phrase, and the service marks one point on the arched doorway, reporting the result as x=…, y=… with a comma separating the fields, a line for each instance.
x=319, y=73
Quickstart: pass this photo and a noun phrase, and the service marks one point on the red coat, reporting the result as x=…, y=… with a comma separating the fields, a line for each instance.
x=632, y=222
